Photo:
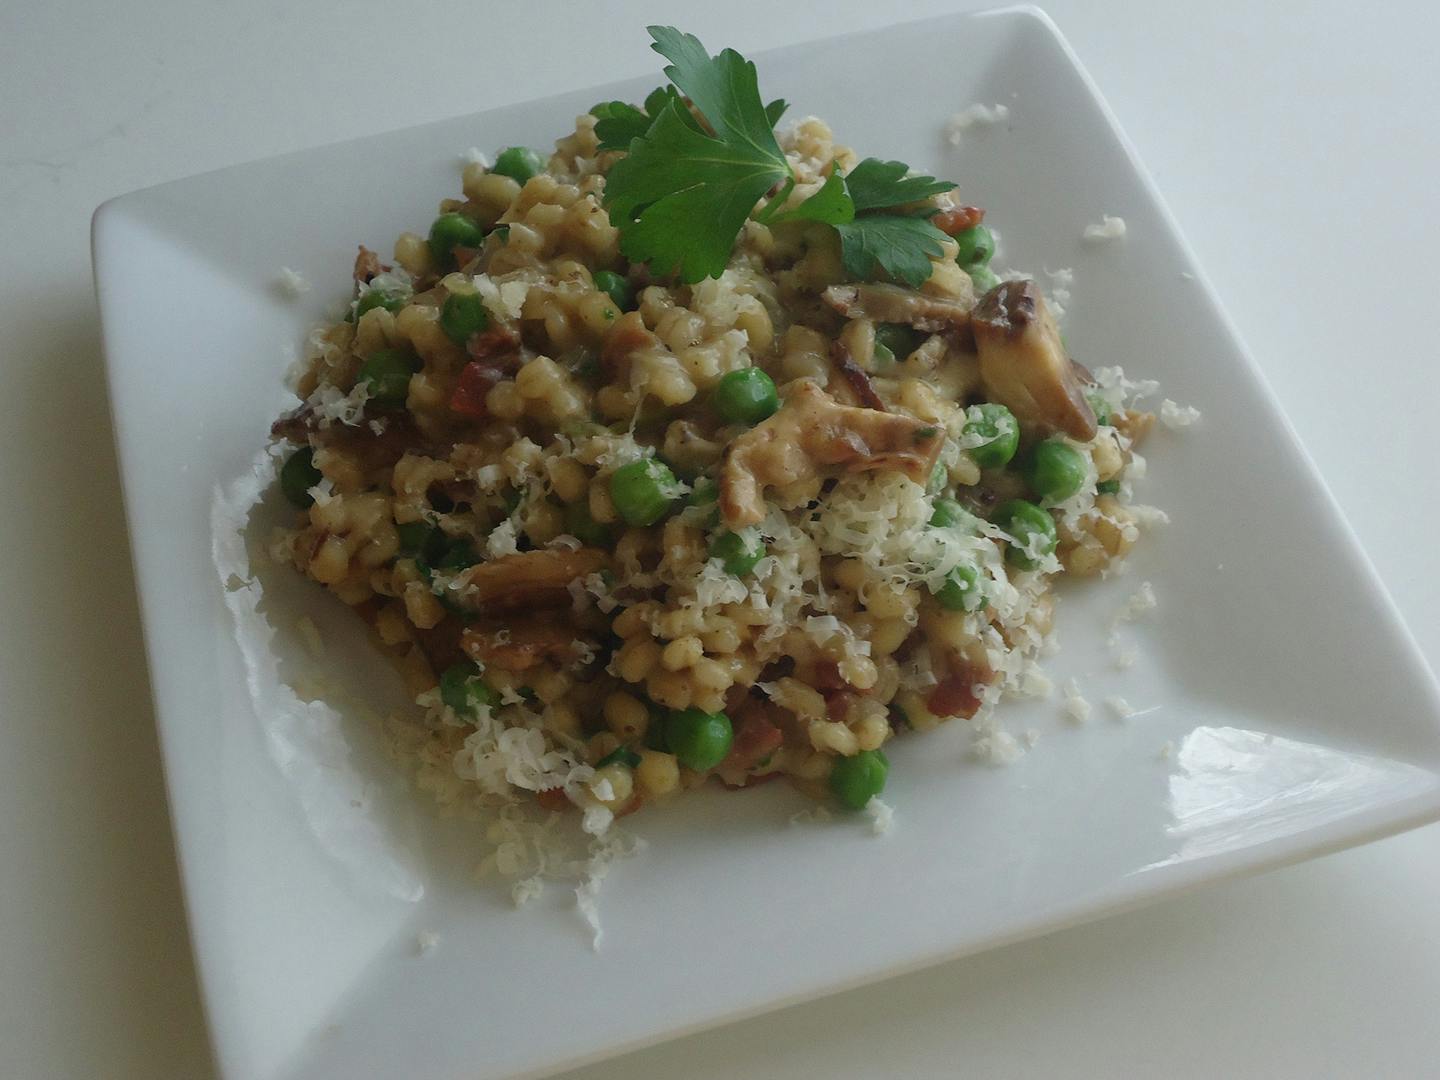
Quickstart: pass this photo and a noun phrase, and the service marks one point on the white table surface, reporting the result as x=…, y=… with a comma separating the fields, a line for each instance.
x=1295, y=142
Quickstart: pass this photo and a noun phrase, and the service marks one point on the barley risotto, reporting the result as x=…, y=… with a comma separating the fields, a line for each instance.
x=696, y=450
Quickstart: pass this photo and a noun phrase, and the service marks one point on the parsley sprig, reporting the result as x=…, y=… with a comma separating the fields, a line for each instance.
x=694, y=172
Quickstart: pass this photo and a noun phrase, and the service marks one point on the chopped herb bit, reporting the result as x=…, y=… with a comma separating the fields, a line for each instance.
x=621, y=755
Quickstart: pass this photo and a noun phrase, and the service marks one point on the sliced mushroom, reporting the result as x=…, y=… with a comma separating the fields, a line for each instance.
x=1023, y=364
x=368, y=265
x=854, y=376
x=527, y=579
x=814, y=435
x=521, y=642
x=892, y=304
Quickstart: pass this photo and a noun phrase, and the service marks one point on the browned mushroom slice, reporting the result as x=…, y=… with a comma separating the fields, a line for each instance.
x=368, y=265
x=527, y=579
x=1023, y=364
x=521, y=642
x=892, y=304
x=814, y=435
x=854, y=377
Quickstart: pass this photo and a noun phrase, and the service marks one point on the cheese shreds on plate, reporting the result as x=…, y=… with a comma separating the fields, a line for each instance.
x=1175, y=416
x=882, y=815
x=1076, y=708
x=1120, y=707
x=974, y=116
x=1109, y=228
x=997, y=748
x=291, y=285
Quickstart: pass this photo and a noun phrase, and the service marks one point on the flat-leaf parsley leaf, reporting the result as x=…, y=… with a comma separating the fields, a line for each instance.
x=681, y=196
x=689, y=182
x=893, y=245
x=876, y=184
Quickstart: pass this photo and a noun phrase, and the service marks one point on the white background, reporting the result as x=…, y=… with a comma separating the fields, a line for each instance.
x=1296, y=143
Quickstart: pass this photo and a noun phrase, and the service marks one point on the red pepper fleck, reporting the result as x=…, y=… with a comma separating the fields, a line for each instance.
x=956, y=695
x=837, y=704
x=958, y=219
x=755, y=738
x=825, y=675
x=475, y=381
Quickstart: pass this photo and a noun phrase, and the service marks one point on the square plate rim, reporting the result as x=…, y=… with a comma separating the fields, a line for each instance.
x=1130, y=892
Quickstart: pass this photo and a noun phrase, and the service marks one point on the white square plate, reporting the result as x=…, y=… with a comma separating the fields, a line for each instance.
x=1300, y=714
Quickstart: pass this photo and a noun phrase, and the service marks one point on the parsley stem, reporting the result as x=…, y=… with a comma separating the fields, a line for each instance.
x=769, y=209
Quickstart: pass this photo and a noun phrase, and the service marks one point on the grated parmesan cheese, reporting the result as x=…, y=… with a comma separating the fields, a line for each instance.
x=1140, y=602
x=971, y=117
x=503, y=540
x=329, y=404
x=882, y=815
x=1175, y=416
x=1120, y=707
x=475, y=156
x=997, y=748
x=1109, y=228
x=290, y=284
x=1076, y=708
x=322, y=491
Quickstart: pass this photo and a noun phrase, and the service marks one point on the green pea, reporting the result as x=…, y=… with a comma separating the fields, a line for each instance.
x=463, y=314
x=858, y=779
x=961, y=591
x=462, y=689
x=388, y=372
x=699, y=739
x=390, y=299
x=983, y=277
x=1032, y=530
x=579, y=524
x=746, y=396
x=619, y=289
x=898, y=339
x=977, y=246
x=1057, y=470
x=452, y=230
x=949, y=514
x=997, y=426
x=519, y=163
x=643, y=491
x=881, y=357
x=298, y=475
x=737, y=555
